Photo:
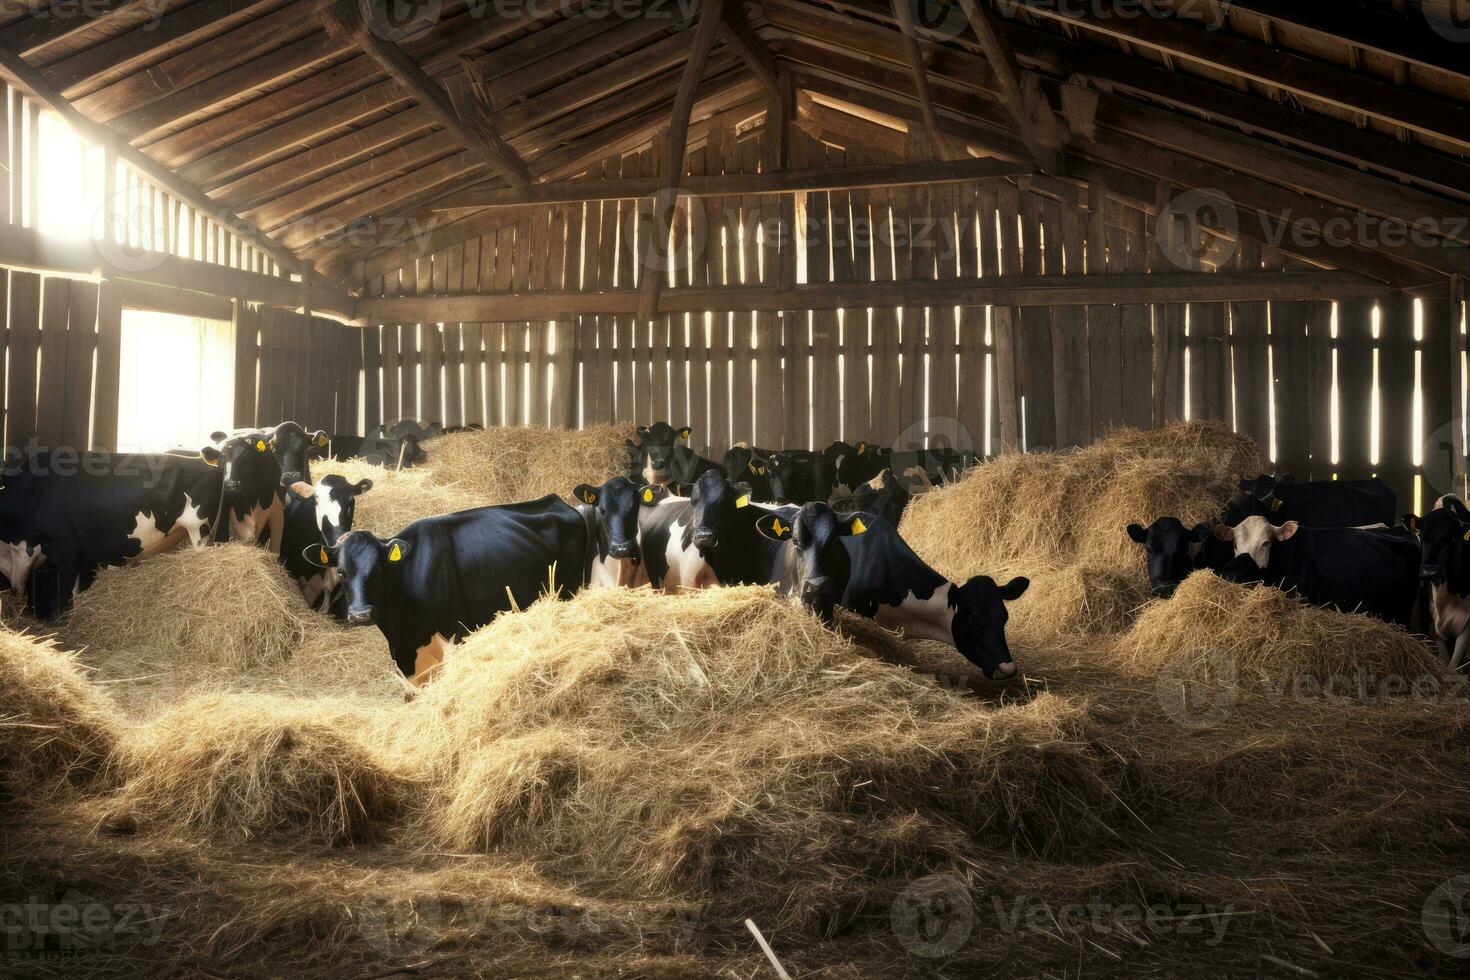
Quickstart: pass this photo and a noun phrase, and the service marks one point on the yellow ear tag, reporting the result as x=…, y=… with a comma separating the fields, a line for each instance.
x=858, y=527
x=862, y=447
x=395, y=554
x=260, y=445
x=326, y=558
x=1467, y=535
x=684, y=434
x=322, y=440
x=648, y=495
x=743, y=500
x=589, y=497
x=1276, y=505
x=777, y=528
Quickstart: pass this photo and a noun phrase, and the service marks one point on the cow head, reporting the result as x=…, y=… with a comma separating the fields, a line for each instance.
x=363, y=560
x=781, y=474
x=1170, y=548
x=295, y=447
x=744, y=463
x=1439, y=531
x=882, y=495
x=823, y=565
x=618, y=501
x=980, y=622
x=336, y=503
x=1255, y=537
x=716, y=502
x=249, y=467
x=656, y=450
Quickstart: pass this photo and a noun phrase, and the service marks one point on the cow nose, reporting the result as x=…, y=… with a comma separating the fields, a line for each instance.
x=706, y=539
x=290, y=477
x=818, y=585
x=624, y=549
x=1005, y=671
x=360, y=617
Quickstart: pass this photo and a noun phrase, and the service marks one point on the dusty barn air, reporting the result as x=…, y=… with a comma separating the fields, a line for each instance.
x=734, y=488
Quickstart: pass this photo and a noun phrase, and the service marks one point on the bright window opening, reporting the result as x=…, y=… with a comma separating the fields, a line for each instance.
x=178, y=381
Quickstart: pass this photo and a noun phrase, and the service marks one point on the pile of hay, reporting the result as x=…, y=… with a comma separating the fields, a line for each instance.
x=723, y=748
x=206, y=618
x=480, y=468
x=258, y=767
x=1266, y=635
x=56, y=728
x=1061, y=520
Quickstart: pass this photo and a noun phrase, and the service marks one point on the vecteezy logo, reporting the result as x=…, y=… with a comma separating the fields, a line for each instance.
x=683, y=214
x=132, y=230
x=934, y=916
x=1446, y=917
x=400, y=926
x=937, y=21
x=1185, y=223
x=401, y=20
x=1200, y=688
x=1450, y=19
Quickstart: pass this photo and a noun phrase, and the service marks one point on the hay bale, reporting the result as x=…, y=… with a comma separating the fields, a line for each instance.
x=56, y=728
x=1038, y=514
x=259, y=767
x=479, y=468
x=1065, y=605
x=723, y=748
x=1270, y=636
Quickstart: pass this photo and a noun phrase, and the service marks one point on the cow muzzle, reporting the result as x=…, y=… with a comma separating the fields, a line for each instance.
x=623, y=549
x=360, y=617
x=1003, y=672
x=706, y=539
x=818, y=586
x=290, y=477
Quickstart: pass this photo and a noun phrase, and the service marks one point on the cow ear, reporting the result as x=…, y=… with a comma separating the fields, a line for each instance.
x=585, y=494
x=319, y=439
x=211, y=455
x=1014, y=589
x=685, y=433
x=1287, y=531
x=1201, y=532
x=1411, y=521
x=1224, y=532
x=397, y=550
x=651, y=495
x=1137, y=533
x=362, y=487
x=774, y=527
x=1246, y=486
x=218, y=437
x=642, y=431
x=862, y=448
x=853, y=526
x=319, y=556
x=742, y=495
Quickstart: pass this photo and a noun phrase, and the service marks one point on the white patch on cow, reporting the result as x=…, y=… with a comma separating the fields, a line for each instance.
x=687, y=568
x=924, y=619
x=1254, y=536
x=327, y=509
x=192, y=520
x=18, y=560
x=147, y=533
x=651, y=476
x=429, y=660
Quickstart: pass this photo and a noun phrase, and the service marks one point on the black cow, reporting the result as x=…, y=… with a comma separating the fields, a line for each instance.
x=613, y=511
x=442, y=578
x=1327, y=503
x=853, y=464
x=652, y=456
x=254, y=500
x=814, y=567
x=292, y=445
x=800, y=476
x=676, y=466
x=749, y=465
x=1444, y=538
x=1173, y=551
x=62, y=518
x=883, y=495
x=1351, y=569
x=888, y=582
x=320, y=519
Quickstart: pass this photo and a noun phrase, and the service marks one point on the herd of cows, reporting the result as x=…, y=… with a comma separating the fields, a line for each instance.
x=820, y=526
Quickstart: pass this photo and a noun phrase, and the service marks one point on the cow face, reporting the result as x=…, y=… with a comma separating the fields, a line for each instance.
x=656, y=448
x=363, y=560
x=247, y=461
x=980, y=622
x=781, y=474
x=295, y=447
x=619, y=501
x=882, y=495
x=716, y=503
x=1255, y=537
x=744, y=463
x=823, y=565
x=1170, y=548
x=1439, y=530
x=336, y=503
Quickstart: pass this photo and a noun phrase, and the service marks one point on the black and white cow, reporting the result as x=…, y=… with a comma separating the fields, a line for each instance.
x=887, y=581
x=1375, y=571
x=1326, y=503
x=320, y=519
x=854, y=464
x=254, y=500
x=800, y=476
x=292, y=445
x=651, y=458
x=748, y=464
x=60, y=521
x=1444, y=538
x=1173, y=551
x=814, y=566
x=613, y=511
x=883, y=495
x=441, y=578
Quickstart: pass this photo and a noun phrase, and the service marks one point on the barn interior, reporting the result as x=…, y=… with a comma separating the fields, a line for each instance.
x=1121, y=255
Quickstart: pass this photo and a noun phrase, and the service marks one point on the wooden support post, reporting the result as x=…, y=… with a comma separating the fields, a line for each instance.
x=939, y=142
x=1034, y=119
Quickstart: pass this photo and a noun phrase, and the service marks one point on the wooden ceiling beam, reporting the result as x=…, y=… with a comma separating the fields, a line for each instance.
x=1037, y=133
x=29, y=80
x=939, y=143
x=675, y=146
x=36, y=38
x=1245, y=58
x=857, y=177
x=479, y=136
x=738, y=33
x=1113, y=288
